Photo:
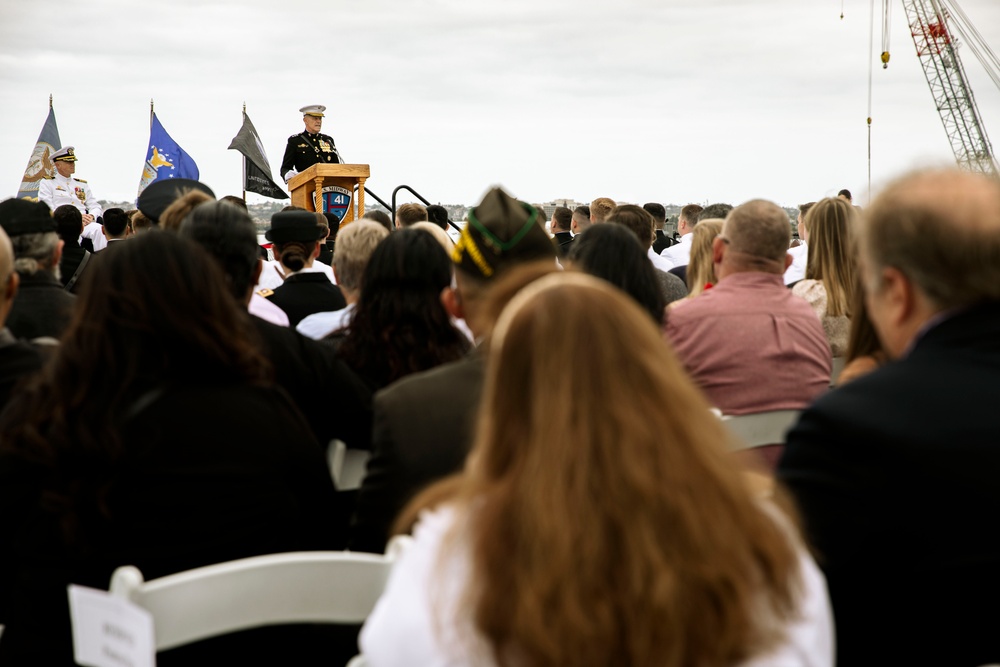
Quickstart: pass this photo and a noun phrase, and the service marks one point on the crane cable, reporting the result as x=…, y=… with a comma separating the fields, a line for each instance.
x=871, y=48
x=974, y=40
x=886, y=31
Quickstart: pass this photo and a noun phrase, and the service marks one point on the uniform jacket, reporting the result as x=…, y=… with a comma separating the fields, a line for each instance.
x=60, y=190
x=662, y=242
x=304, y=150
x=305, y=293
x=564, y=242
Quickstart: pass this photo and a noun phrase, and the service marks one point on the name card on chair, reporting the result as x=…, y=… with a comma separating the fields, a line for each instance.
x=110, y=631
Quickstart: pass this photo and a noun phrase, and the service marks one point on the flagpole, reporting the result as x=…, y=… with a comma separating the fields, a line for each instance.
x=151, y=113
x=244, y=158
x=50, y=100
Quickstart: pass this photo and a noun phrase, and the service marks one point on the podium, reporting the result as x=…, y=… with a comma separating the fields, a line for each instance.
x=307, y=187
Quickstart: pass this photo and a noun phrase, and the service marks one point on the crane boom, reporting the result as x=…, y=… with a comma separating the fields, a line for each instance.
x=949, y=86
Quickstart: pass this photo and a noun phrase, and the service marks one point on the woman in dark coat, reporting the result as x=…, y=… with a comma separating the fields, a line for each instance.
x=155, y=438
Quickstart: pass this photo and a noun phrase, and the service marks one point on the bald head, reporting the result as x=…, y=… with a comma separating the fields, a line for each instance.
x=940, y=229
x=756, y=237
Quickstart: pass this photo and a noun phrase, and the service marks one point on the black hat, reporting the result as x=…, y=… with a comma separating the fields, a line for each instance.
x=23, y=216
x=501, y=231
x=159, y=195
x=294, y=226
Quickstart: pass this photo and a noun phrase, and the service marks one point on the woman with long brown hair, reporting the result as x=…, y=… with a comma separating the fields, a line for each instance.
x=595, y=524
x=831, y=268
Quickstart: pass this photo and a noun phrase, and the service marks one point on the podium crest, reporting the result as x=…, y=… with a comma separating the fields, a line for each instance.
x=337, y=200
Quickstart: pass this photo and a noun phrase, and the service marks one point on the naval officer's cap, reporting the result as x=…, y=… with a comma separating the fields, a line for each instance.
x=64, y=155
x=23, y=216
x=315, y=110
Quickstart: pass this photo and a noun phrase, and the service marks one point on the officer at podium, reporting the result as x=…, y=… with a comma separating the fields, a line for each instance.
x=309, y=147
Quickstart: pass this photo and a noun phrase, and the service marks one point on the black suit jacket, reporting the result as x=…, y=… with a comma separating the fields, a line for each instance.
x=422, y=433
x=662, y=242
x=563, y=242
x=303, y=294
x=896, y=474
x=42, y=308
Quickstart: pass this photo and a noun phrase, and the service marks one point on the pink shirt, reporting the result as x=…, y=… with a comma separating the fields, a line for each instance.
x=752, y=345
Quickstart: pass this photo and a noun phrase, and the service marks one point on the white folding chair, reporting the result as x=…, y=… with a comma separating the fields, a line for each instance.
x=760, y=428
x=836, y=367
x=347, y=466
x=299, y=587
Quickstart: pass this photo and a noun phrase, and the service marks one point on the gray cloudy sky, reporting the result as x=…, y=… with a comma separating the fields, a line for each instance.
x=639, y=100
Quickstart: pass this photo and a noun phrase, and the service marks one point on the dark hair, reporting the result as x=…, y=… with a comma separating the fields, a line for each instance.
x=334, y=224
x=115, y=221
x=636, y=219
x=715, y=211
x=438, y=215
x=69, y=223
x=399, y=325
x=656, y=210
x=562, y=218
x=613, y=252
x=294, y=254
x=845, y=193
x=228, y=234
x=583, y=210
x=152, y=314
x=380, y=217
x=235, y=201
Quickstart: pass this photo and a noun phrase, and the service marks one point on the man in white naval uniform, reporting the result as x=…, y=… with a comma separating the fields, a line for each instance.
x=63, y=188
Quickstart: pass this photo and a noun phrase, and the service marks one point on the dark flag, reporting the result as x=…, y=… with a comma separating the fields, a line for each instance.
x=40, y=165
x=256, y=168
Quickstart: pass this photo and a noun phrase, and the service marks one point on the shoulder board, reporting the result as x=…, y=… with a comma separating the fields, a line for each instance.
x=49, y=178
x=295, y=136
x=265, y=292
x=79, y=180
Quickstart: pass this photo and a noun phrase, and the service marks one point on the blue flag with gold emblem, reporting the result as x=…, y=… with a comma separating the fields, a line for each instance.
x=40, y=165
x=165, y=158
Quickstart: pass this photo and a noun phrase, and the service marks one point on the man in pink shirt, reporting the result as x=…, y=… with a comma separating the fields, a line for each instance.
x=749, y=343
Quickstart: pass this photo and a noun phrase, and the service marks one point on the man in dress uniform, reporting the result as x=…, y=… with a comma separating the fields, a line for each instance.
x=309, y=147
x=63, y=188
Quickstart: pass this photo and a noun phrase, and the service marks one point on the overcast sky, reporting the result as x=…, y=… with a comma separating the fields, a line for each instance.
x=653, y=100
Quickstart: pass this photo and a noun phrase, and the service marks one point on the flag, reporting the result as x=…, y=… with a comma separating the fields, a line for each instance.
x=164, y=158
x=40, y=165
x=256, y=167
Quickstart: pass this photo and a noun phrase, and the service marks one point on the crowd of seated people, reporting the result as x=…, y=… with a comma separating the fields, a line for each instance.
x=540, y=408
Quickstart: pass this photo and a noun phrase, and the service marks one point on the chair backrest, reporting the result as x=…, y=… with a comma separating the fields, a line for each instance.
x=760, y=428
x=836, y=367
x=347, y=466
x=300, y=587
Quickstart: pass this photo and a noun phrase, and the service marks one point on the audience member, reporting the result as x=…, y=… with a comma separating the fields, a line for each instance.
x=423, y=423
x=562, y=225
x=864, y=350
x=327, y=244
x=408, y=214
x=153, y=438
x=43, y=308
x=306, y=289
x=439, y=235
x=701, y=265
x=115, y=225
x=139, y=222
x=719, y=211
x=640, y=223
x=679, y=254
x=750, y=343
x=796, y=271
x=399, y=325
x=600, y=209
x=357, y=243
x=845, y=194
x=381, y=217
x=581, y=220
x=609, y=252
x=160, y=194
x=659, y=214
x=236, y=201
x=334, y=401
x=830, y=269
x=438, y=215
x=895, y=472
x=551, y=547
x=69, y=226
x=18, y=359
x=172, y=216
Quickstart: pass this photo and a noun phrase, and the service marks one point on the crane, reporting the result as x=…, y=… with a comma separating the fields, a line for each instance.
x=936, y=49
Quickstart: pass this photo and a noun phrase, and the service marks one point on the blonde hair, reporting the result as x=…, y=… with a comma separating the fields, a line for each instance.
x=613, y=528
x=410, y=214
x=601, y=208
x=701, y=267
x=174, y=215
x=355, y=245
x=439, y=235
x=832, y=252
